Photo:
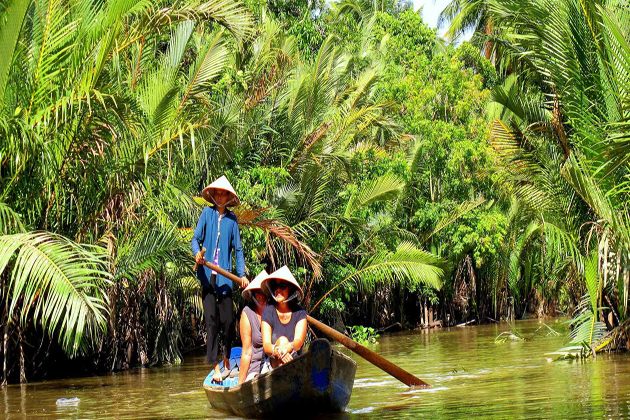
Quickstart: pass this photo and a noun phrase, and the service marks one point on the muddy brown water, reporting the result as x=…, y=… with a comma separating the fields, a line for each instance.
x=471, y=376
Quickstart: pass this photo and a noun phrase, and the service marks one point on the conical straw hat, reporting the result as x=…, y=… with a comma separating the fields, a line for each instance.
x=255, y=284
x=221, y=183
x=283, y=273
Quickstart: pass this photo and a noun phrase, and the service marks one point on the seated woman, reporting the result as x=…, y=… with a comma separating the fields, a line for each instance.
x=284, y=322
x=252, y=356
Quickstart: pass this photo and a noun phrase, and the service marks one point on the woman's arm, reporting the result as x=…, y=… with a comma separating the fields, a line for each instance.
x=300, y=334
x=246, y=354
x=285, y=349
x=266, y=337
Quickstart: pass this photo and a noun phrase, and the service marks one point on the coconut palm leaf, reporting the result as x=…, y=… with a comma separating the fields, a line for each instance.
x=54, y=37
x=406, y=263
x=12, y=17
x=560, y=243
x=56, y=283
x=147, y=248
x=578, y=176
x=463, y=16
x=233, y=15
x=10, y=221
x=212, y=59
x=383, y=188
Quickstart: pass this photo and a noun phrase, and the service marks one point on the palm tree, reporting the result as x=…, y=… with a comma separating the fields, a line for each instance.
x=561, y=135
x=114, y=114
x=465, y=16
x=85, y=114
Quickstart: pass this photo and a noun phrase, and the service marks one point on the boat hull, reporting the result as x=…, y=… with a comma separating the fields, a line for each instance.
x=319, y=381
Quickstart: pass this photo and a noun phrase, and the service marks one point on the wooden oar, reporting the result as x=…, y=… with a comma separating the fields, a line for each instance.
x=219, y=270
x=377, y=360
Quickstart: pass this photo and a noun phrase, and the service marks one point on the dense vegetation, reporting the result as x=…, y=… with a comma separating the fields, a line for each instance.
x=402, y=179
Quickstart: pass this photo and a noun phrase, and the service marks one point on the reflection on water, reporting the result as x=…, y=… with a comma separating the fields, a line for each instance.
x=470, y=376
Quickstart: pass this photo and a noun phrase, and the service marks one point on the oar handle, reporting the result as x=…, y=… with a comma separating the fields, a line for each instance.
x=203, y=253
x=377, y=360
x=221, y=271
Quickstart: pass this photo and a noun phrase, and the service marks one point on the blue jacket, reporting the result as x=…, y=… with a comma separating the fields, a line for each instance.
x=229, y=243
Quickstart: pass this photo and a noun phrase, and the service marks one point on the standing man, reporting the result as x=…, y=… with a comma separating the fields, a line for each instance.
x=217, y=231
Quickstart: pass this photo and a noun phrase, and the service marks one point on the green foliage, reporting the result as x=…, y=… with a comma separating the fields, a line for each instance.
x=410, y=39
x=360, y=146
x=469, y=56
x=559, y=111
x=57, y=283
x=116, y=114
x=363, y=335
x=13, y=13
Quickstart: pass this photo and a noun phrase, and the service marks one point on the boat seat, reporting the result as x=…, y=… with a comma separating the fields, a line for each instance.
x=232, y=379
x=227, y=382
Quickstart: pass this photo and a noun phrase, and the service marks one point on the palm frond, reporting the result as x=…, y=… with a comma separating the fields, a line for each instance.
x=147, y=248
x=383, y=188
x=452, y=217
x=232, y=15
x=10, y=221
x=13, y=17
x=56, y=283
x=54, y=40
x=212, y=59
x=406, y=264
x=189, y=287
x=289, y=240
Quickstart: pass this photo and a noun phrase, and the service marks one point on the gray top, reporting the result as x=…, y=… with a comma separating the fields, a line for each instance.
x=258, y=354
x=278, y=329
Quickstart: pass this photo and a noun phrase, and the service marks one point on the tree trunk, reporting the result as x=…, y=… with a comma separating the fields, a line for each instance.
x=402, y=306
x=5, y=350
x=22, y=360
x=5, y=332
x=426, y=314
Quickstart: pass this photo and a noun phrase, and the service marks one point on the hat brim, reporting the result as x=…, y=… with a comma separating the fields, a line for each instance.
x=208, y=195
x=249, y=294
x=266, y=288
x=254, y=285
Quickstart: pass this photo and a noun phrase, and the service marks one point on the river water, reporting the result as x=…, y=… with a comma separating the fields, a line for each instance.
x=470, y=376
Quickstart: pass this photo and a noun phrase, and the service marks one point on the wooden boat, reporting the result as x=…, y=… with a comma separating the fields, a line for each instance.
x=318, y=381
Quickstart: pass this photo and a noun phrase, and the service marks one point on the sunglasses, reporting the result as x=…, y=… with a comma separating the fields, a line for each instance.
x=279, y=285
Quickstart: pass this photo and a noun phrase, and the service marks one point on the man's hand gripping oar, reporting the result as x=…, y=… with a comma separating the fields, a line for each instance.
x=200, y=260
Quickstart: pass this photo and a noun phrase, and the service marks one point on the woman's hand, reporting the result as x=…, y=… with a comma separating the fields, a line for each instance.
x=283, y=350
x=286, y=358
x=199, y=257
x=244, y=282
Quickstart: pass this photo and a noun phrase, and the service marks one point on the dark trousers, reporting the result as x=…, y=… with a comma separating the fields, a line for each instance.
x=219, y=315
